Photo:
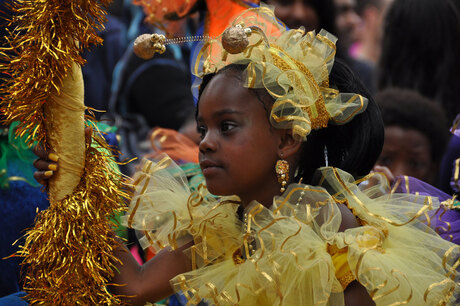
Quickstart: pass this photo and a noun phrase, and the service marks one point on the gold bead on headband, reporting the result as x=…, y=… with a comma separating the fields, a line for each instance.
x=146, y=45
x=235, y=39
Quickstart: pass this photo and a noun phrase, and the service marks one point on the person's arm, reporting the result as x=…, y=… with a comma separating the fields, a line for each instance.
x=149, y=282
x=356, y=294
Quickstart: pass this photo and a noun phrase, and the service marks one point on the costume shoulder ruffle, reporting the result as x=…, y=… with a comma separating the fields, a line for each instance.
x=294, y=253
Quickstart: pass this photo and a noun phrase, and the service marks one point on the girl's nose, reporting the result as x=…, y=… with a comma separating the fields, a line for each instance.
x=208, y=143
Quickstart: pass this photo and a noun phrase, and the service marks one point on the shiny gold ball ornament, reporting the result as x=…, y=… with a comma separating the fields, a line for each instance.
x=146, y=45
x=235, y=39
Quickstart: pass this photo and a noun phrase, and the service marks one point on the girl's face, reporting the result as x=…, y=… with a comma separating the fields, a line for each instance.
x=238, y=148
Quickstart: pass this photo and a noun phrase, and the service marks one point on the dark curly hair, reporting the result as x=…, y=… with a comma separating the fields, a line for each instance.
x=409, y=110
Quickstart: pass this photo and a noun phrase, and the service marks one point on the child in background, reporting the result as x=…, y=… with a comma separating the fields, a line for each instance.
x=271, y=111
x=416, y=134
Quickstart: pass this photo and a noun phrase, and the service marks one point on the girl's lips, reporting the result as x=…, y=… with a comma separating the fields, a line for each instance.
x=209, y=167
x=210, y=171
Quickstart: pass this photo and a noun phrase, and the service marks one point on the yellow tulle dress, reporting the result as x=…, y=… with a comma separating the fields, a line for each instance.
x=293, y=252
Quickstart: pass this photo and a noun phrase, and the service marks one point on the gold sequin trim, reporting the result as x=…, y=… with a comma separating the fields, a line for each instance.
x=346, y=279
x=317, y=112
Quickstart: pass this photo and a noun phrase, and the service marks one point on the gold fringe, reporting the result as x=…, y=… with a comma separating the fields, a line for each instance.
x=68, y=254
x=41, y=48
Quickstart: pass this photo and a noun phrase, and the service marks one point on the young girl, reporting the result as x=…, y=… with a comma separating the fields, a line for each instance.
x=272, y=109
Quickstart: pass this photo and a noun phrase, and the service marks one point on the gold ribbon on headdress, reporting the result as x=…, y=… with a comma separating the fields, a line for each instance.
x=319, y=117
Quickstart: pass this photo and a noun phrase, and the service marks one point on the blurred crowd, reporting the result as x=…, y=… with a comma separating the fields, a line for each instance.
x=406, y=52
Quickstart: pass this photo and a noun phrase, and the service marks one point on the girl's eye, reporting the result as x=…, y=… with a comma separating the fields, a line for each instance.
x=227, y=126
x=201, y=130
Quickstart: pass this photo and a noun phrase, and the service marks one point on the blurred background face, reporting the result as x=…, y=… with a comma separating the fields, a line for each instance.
x=296, y=13
x=370, y=29
x=347, y=21
x=407, y=152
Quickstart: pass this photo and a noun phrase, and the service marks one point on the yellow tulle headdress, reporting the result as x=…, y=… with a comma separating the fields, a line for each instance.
x=291, y=65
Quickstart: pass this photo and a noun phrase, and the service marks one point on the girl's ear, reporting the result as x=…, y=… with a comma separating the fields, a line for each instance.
x=288, y=146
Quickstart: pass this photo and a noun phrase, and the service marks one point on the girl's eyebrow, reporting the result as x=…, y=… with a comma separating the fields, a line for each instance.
x=226, y=112
x=221, y=113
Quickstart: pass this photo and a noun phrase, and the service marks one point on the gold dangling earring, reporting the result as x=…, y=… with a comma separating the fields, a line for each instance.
x=282, y=172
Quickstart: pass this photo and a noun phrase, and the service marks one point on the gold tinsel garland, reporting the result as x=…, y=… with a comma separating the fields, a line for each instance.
x=41, y=49
x=68, y=254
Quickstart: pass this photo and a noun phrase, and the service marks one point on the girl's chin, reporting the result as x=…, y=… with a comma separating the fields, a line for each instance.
x=218, y=190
